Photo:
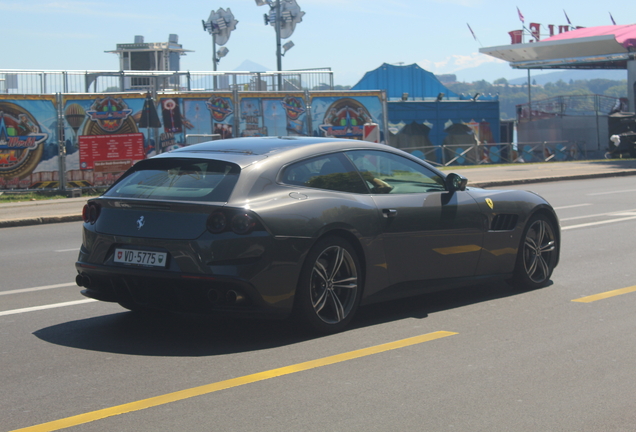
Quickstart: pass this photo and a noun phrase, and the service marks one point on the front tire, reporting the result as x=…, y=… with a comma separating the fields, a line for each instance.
x=330, y=286
x=538, y=254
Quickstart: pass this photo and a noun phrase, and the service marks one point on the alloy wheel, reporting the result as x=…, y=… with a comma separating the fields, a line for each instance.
x=538, y=248
x=333, y=284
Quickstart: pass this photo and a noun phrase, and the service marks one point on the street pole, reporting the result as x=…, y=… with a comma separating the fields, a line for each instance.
x=529, y=97
x=279, y=64
x=214, y=59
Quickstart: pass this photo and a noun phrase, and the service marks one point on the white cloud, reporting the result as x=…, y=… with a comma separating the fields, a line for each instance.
x=456, y=63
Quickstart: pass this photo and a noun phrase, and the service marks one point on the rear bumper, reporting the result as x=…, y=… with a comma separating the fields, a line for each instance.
x=177, y=292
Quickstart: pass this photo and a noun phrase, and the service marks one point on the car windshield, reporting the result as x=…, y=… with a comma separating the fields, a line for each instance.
x=178, y=180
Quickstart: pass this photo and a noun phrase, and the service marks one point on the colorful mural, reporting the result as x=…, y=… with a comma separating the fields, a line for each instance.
x=28, y=139
x=103, y=138
x=102, y=135
x=265, y=115
x=343, y=115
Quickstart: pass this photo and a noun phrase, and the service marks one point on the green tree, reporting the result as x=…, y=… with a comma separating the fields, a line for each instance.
x=512, y=95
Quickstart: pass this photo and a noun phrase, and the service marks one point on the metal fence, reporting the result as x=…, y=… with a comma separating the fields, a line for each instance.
x=579, y=105
x=50, y=82
x=501, y=153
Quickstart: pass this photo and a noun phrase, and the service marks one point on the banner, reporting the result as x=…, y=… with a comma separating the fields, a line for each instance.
x=265, y=114
x=28, y=140
x=344, y=115
x=103, y=137
x=94, y=138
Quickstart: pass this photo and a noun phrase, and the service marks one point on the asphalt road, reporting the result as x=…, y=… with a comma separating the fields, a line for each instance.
x=485, y=358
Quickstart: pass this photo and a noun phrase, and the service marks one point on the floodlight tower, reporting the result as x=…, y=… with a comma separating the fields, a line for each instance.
x=283, y=15
x=219, y=24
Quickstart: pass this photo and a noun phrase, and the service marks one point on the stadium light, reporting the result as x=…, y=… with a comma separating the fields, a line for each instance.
x=283, y=16
x=220, y=25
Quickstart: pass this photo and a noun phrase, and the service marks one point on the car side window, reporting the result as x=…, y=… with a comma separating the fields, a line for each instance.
x=388, y=173
x=332, y=172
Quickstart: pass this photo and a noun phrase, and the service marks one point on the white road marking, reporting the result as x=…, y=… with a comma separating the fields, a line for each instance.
x=618, y=213
x=611, y=192
x=40, y=288
x=67, y=250
x=44, y=307
x=572, y=206
x=597, y=223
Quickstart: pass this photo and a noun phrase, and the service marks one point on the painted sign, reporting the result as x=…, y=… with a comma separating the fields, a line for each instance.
x=27, y=138
x=345, y=116
x=100, y=134
x=264, y=115
x=123, y=149
x=20, y=139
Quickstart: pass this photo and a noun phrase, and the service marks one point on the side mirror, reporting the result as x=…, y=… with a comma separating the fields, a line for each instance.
x=455, y=182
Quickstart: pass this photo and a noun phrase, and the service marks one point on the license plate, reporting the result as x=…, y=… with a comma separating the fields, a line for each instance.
x=142, y=258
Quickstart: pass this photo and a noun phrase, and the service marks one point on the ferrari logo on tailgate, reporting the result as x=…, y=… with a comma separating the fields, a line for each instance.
x=490, y=203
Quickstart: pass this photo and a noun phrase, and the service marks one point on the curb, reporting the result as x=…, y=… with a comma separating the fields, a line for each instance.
x=39, y=220
x=496, y=183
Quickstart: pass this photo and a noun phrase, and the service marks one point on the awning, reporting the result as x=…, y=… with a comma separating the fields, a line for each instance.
x=604, y=47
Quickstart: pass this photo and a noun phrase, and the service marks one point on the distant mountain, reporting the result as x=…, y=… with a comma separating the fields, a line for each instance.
x=492, y=71
x=574, y=75
x=250, y=66
x=489, y=72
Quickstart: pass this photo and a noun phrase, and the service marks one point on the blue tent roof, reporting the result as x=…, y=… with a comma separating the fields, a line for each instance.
x=395, y=80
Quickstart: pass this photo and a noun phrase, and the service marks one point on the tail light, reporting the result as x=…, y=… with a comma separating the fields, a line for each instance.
x=90, y=213
x=217, y=222
x=243, y=223
x=237, y=221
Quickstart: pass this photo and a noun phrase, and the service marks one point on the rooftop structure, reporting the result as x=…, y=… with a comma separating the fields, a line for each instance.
x=151, y=56
x=604, y=47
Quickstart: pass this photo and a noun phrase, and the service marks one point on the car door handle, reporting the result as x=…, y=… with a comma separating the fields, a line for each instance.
x=389, y=213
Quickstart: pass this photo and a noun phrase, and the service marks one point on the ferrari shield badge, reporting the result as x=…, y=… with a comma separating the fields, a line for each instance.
x=490, y=203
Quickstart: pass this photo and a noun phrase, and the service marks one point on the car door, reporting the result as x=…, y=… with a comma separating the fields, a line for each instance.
x=428, y=232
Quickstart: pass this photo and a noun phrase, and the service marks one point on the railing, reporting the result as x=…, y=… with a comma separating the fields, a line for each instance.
x=580, y=105
x=502, y=153
x=49, y=82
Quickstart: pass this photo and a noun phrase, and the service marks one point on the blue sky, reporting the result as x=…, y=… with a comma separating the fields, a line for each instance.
x=350, y=36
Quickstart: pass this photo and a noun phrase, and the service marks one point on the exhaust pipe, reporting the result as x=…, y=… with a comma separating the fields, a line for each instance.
x=234, y=297
x=214, y=296
x=83, y=280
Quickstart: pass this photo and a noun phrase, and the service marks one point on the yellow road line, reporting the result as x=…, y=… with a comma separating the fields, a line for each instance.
x=608, y=294
x=234, y=382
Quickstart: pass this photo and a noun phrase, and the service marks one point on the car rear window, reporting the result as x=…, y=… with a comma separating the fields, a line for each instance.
x=178, y=180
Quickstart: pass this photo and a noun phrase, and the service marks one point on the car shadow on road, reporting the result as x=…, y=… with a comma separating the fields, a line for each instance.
x=421, y=306
x=173, y=335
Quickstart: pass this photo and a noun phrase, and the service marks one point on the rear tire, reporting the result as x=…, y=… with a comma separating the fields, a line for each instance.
x=537, y=255
x=329, y=287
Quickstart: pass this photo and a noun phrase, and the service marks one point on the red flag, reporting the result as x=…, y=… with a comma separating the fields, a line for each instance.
x=566, y=17
x=471, y=31
x=520, y=15
x=612, y=18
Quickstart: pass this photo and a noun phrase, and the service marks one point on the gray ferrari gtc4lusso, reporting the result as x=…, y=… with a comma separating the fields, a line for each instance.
x=304, y=227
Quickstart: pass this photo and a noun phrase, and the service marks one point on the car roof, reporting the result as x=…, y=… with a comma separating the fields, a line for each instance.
x=254, y=145
x=249, y=150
